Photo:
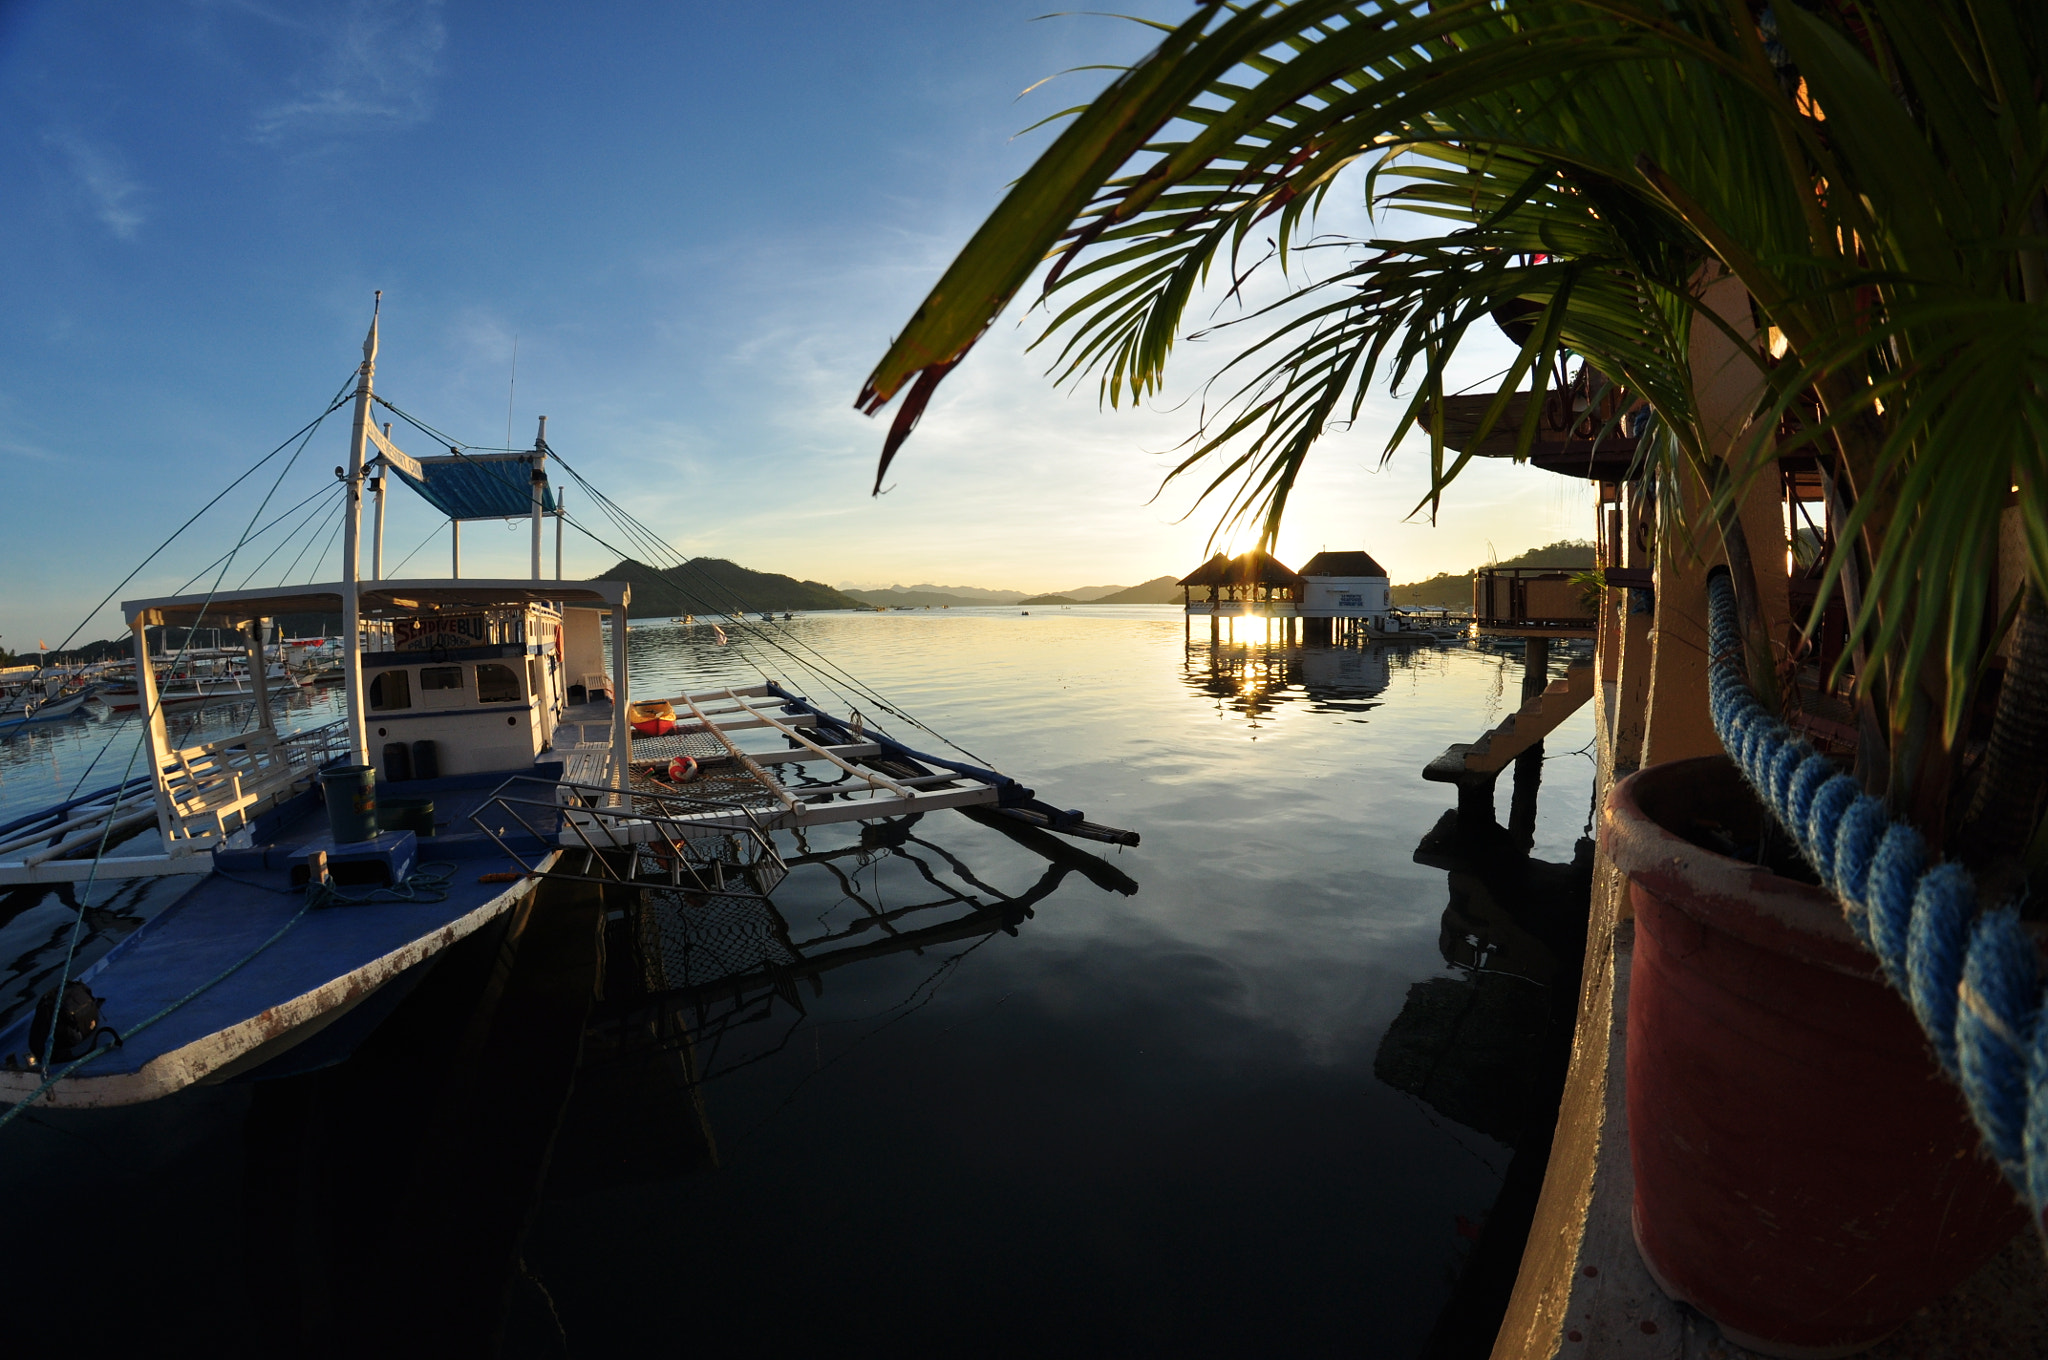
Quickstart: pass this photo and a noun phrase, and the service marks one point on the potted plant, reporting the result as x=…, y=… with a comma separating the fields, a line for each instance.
x=1595, y=179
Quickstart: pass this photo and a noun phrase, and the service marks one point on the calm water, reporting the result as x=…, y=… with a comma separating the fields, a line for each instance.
x=1228, y=1097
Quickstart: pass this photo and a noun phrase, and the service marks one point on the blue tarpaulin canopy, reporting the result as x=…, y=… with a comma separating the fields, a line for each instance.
x=478, y=485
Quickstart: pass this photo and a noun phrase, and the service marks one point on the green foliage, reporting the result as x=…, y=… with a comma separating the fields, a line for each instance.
x=1872, y=174
x=1453, y=590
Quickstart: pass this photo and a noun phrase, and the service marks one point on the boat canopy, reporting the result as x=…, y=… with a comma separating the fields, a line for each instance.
x=229, y=607
x=477, y=485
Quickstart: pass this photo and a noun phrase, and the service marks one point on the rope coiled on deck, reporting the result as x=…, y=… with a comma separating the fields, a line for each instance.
x=1971, y=975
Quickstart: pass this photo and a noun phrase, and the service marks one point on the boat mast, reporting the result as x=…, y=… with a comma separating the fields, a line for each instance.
x=351, y=548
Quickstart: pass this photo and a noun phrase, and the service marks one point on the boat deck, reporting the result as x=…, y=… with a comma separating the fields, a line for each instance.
x=323, y=962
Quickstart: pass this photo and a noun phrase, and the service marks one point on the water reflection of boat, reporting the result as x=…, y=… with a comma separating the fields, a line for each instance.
x=604, y=1015
x=721, y=959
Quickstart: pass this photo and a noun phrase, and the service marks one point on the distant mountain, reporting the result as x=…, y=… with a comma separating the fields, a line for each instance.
x=951, y=594
x=920, y=599
x=1158, y=590
x=1454, y=590
x=712, y=585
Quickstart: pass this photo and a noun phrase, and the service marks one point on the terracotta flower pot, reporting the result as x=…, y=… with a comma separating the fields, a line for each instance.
x=1804, y=1173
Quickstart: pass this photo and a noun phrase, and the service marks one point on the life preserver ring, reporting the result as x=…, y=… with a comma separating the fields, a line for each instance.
x=682, y=769
x=558, y=640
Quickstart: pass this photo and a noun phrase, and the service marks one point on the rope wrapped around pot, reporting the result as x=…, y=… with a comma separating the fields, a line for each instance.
x=1971, y=975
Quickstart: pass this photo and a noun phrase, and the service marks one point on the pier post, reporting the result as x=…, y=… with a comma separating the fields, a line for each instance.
x=1522, y=796
x=1535, y=666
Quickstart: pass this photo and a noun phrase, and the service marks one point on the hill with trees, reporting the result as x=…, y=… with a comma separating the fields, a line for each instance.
x=712, y=585
x=1158, y=590
x=1453, y=590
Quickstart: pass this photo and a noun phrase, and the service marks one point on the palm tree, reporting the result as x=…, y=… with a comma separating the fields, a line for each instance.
x=1871, y=171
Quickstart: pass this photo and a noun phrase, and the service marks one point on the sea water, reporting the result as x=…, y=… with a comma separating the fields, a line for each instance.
x=1201, y=1103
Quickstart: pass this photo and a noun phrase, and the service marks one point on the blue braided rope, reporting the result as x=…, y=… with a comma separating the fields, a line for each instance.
x=1971, y=977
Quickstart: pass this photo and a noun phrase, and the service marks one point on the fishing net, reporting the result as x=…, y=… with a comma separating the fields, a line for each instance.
x=696, y=937
x=661, y=750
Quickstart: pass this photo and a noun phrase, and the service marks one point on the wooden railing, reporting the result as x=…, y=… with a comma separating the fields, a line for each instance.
x=1529, y=598
x=215, y=787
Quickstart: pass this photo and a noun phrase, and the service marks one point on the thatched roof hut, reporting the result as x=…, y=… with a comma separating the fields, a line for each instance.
x=1250, y=575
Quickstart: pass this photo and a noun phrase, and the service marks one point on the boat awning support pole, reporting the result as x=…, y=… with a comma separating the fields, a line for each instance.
x=351, y=550
x=377, y=527
x=622, y=731
x=455, y=547
x=159, y=737
x=538, y=481
x=259, y=673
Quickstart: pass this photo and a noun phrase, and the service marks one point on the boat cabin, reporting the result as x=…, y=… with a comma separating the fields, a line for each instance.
x=449, y=678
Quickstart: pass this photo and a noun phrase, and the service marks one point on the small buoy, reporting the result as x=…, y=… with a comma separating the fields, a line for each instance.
x=682, y=769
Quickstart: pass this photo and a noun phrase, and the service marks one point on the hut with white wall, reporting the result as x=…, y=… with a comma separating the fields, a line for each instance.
x=1342, y=592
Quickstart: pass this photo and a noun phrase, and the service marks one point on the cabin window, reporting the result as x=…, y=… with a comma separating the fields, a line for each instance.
x=440, y=677
x=496, y=684
x=533, y=675
x=390, y=690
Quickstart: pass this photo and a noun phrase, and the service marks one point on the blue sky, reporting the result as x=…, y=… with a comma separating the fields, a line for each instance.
x=699, y=223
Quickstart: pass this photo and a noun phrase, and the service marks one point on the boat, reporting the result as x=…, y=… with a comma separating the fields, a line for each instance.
x=485, y=752
x=39, y=693
x=22, y=712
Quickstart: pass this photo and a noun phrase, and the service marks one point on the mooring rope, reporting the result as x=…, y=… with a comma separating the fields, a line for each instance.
x=1971, y=976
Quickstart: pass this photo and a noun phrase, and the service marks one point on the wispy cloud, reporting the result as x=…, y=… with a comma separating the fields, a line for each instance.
x=113, y=195
x=373, y=69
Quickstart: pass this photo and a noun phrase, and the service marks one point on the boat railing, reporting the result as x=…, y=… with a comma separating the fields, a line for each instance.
x=214, y=786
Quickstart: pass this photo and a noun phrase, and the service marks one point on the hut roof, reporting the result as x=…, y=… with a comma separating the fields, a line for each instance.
x=1343, y=564
x=1246, y=569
